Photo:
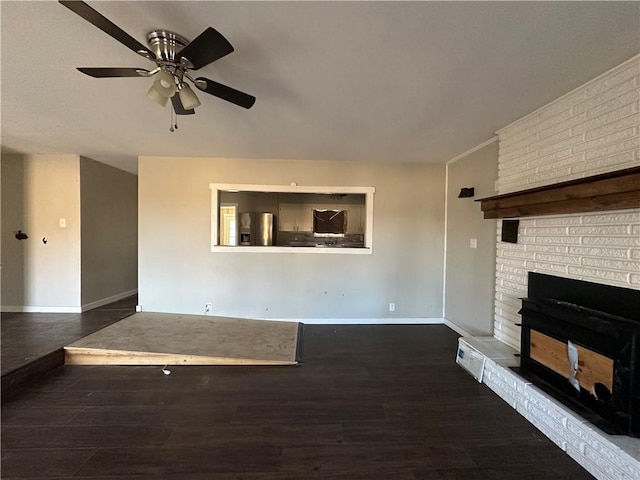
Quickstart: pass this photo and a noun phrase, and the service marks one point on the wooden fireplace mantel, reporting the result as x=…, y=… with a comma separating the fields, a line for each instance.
x=608, y=191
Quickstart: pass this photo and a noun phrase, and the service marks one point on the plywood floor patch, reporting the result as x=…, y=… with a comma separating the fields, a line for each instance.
x=174, y=339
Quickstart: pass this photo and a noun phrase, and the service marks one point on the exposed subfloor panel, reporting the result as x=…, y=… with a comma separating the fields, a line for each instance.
x=148, y=338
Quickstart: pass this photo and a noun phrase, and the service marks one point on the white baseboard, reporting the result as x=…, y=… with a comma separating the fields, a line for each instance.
x=459, y=330
x=360, y=321
x=69, y=309
x=107, y=300
x=352, y=321
x=38, y=309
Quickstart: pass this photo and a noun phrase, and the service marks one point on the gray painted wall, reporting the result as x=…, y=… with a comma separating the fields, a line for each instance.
x=470, y=272
x=179, y=273
x=37, y=191
x=13, y=251
x=109, y=232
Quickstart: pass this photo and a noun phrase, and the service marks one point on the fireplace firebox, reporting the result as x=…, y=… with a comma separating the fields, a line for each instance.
x=580, y=343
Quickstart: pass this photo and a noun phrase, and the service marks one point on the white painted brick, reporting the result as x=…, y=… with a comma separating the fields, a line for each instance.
x=561, y=260
x=512, y=187
x=614, y=77
x=518, y=143
x=561, y=158
x=517, y=177
x=613, y=149
x=634, y=254
x=626, y=111
x=620, y=94
x=615, y=137
x=508, y=339
x=614, y=103
x=560, y=122
x=564, y=220
x=525, y=240
x=615, y=253
x=558, y=240
x=602, y=230
x=548, y=178
x=612, y=241
x=512, y=331
x=559, y=106
x=520, y=125
x=551, y=268
x=621, y=278
x=516, y=152
x=509, y=301
x=548, y=248
x=512, y=278
x=506, y=269
x=554, y=147
x=635, y=281
x=510, y=290
x=609, y=128
x=553, y=140
x=508, y=307
x=519, y=273
x=524, y=135
x=509, y=322
x=609, y=264
x=622, y=217
x=519, y=254
x=606, y=164
x=542, y=230
x=509, y=286
x=516, y=169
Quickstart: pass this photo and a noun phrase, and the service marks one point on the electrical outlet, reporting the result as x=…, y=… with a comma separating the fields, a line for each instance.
x=392, y=307
x=208, y=307
x=473, y=243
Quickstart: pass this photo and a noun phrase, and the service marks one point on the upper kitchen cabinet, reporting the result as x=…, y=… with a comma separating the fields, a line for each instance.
x=295, y=217
x=356, y=217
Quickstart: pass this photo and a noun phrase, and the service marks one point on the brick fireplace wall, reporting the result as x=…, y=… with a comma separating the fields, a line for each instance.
x=593, y=129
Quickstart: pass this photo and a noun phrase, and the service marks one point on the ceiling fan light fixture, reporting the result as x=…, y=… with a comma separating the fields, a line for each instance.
x=173, y=56
x=165, y=84
x=188, y=98
x=156, y=96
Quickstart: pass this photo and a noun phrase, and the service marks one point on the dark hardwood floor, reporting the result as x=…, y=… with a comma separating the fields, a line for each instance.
x=368, y=402
x=29, y=336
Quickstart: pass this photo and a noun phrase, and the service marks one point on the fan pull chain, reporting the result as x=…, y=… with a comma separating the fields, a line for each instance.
x=173, y=120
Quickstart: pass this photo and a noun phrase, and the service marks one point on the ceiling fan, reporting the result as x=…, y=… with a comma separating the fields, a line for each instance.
x=174, y=57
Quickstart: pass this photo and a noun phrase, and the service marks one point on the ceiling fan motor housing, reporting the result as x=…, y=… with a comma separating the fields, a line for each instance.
x=166, y=44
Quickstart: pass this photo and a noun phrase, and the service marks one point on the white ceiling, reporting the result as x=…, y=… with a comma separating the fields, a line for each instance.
x=367, y=81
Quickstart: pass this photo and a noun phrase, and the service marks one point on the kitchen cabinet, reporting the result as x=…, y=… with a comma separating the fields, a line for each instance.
x=295, y=218
x=355, y=219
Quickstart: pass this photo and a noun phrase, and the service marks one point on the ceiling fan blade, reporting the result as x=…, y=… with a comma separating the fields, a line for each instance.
x=109, y=72
x=207, y=47
x=225, y=93
x=107, y=26
x=178, y=108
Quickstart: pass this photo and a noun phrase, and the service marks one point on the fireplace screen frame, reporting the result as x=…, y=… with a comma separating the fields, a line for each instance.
x=551, y=309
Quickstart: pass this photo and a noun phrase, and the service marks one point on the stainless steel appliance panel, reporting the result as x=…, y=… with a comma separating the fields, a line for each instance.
x=264, y=229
